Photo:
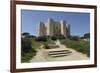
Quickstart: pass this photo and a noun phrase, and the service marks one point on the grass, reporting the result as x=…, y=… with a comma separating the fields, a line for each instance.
x=28, y=51
x=80, y=46
x=26, y=57
x=36, y=44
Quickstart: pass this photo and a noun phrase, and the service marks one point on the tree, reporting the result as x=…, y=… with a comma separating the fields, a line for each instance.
x=27, y=51
x=26, y=45
x=25, y=34
x=75, y=38
x=60, y=37
x=41, y=38
x=46, y=46
x=87, y=35
x=54, y=38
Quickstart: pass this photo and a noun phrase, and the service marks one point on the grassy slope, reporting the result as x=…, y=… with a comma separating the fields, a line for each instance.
x=35, y=44
x=27, y=55
x=80, y=46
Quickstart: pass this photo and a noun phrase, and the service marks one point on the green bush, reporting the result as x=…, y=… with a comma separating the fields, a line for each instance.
x=26, y=57
x=60, y=37
x=42, y=38
x=46, y=46
x=87, y=35
x=27, y=52
x=26, y=45
x=75, y=38
x=54, y=38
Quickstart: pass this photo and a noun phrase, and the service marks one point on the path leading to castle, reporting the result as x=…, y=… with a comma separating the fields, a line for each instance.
x=41, y=55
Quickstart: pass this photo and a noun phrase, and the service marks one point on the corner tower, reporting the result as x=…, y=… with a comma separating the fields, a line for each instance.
x=50, y=29
x=42, y=29
x=63, y=28
x=68, y=30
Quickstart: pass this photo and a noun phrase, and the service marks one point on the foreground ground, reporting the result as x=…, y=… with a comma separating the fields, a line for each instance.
x=42, y=56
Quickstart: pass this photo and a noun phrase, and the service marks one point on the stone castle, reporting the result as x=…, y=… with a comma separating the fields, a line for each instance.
x=52, y=28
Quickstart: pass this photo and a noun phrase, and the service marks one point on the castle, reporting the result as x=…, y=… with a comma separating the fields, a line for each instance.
x=52, y=28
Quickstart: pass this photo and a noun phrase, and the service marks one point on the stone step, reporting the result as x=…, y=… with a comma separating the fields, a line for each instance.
x=59, y=53
x=66, y=51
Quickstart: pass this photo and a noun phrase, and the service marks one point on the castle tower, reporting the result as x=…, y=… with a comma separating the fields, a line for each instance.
x=42, y=29
x=50, y=27
x=63, y=28
x=68, y=33
x=57, y=28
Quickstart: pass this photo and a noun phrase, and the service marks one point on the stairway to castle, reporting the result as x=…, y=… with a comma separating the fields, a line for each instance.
x=59, y=53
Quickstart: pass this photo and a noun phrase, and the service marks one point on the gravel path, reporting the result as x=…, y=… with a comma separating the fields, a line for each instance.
x=42, y=55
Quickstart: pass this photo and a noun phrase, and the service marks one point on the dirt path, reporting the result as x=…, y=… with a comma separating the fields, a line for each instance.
x=42, y=56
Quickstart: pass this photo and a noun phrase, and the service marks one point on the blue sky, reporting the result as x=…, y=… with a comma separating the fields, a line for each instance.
x=79, y=22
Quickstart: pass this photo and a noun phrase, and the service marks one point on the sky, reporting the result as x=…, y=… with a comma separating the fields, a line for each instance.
x=79, y=22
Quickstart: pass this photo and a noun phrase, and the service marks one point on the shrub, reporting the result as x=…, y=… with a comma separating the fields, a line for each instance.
x=27, y=52
x=87, y=35
x=75, y=38
x=54, y=38
x=57, y=37
x=60, y=37
x=42, y=38
x=26, y=45
x=25, y=34
x=46, y=46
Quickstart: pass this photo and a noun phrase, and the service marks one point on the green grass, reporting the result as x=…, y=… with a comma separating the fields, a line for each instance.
x=26, y=57
x=80, y=46
x=36, y=44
